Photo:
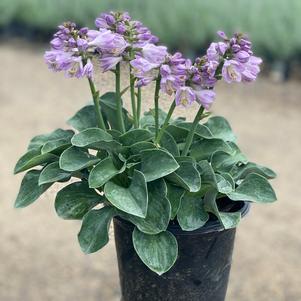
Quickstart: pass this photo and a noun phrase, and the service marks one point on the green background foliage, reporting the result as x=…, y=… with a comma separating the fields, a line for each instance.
x=274, y=25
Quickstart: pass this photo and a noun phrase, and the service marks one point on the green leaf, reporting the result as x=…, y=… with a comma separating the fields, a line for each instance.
x=56, y=145
x=104, y=171
x=74, y=159
x=30, y=190
x=200, y=131
x=94, y=232
x=158, y=211
x=203, y=149
x=227, y=219
x=136, y=135
x=141, y=146
x=223, y=185
x=191, y=214
x=96, y=138
x=84, y=118
x=52, y=173
x=33, y=158
x=156, y=163
x=254, y=188
x=186, y=176
x=90, y=136
x=158, y=252
x=169, y=143
x=220, y=128
x=242, y=171
x=40, y=140
x=207, y=173
x=133, y=200
x=224, y=162
x=75, y=200
x=109, y=109
x=178, y=133
x=148, y=120
x=174, y=195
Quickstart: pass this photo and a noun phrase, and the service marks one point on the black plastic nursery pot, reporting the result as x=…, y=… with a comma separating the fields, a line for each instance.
x=200, y=273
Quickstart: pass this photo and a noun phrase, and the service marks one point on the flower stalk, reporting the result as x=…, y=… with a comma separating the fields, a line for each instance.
x=189, y=138
x=166, y=122
x=156, y=101
x=95, y=95
x=138, y=105
x=118, y=99
x=133, y=98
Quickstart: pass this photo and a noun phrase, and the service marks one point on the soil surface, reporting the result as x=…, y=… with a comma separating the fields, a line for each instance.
x=40, y=258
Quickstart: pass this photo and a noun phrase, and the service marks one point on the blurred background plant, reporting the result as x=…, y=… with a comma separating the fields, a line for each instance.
x=273, y=25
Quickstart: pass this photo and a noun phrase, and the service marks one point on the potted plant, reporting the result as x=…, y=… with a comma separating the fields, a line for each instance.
x=175, y=189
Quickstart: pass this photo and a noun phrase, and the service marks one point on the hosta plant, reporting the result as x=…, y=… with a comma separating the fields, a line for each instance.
x=152, y=169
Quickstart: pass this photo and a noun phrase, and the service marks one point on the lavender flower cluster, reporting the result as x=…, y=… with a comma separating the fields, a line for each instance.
x=118, y=38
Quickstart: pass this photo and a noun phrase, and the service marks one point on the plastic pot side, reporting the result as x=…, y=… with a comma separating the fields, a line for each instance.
x=200, y=273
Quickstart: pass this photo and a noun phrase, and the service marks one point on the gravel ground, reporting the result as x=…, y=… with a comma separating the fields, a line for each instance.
x=40, y=259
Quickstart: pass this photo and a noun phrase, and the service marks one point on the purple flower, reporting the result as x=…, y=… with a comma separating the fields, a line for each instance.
x=109, y=62
x=75, y=67
x=216, y=51
x=154, y=54
x=88, y=69
x=231, y=71
x=251, y=69
x=185, y=96
x=242, y=56
x=144, y=71
x=57, y=43
x=205, y=97
x=108, y=42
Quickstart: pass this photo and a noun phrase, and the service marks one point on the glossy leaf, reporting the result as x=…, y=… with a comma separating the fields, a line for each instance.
x=133, y=200
x=94, y=232
x=33, y=158
x=242, y=171
x=89, y=136
x=157, y=163
x=134, y=136
x=75, y=200
x=254, y=188
x=220, y=128
x=186, y=176
x=223, y=185
x=84, y=118
x=158, y=252
x=203, y=149
x=228, y=219
x=200, y=131
x=109, y=110
x=40, y=140
x=103, y=172
x=141, y=146
x=191, y=214
x=75, y=158
x=30, y=190
x=169, y=143
x=158, y=211
x=56, y=145
x=53, y=173
x=174, y=195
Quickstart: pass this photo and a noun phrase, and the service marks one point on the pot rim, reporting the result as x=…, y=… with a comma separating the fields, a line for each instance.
x=210, y=226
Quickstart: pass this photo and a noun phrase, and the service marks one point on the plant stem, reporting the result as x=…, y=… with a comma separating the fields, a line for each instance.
x=133, y=98
x=95, y=95
x=118, y=100
x=189, y=138
x=138, y=106
x=166, y=121
x=156, y=100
